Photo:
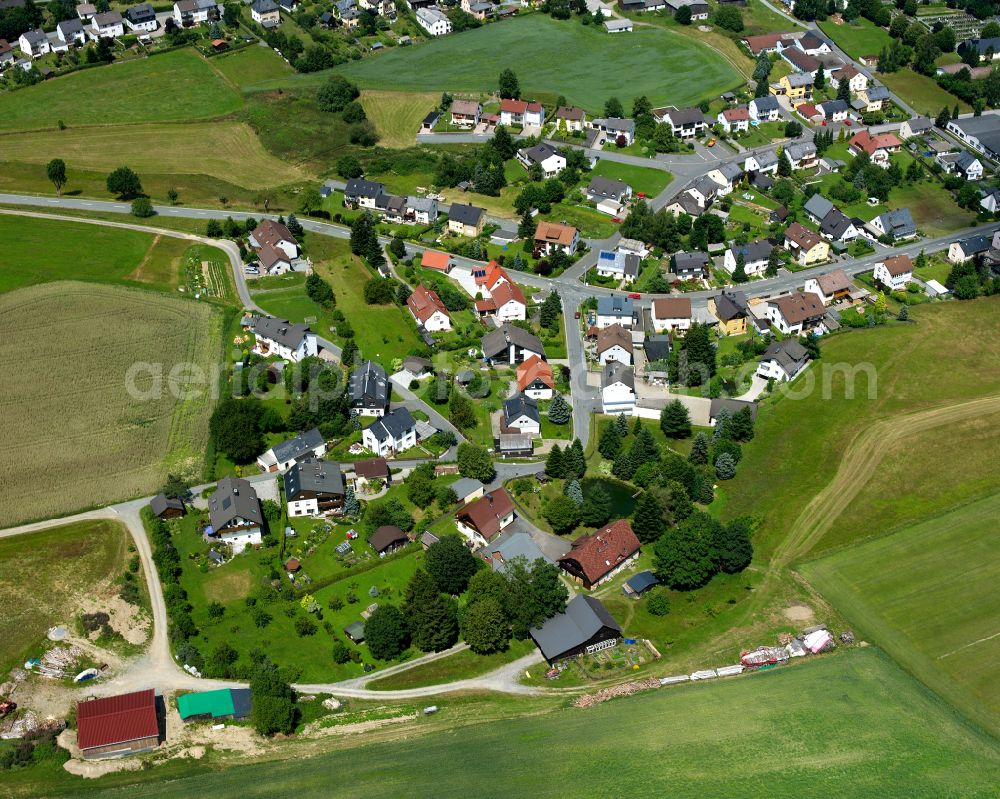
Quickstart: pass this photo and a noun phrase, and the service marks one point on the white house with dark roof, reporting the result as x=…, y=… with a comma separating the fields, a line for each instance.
x=285, y=455
x=433, y=20
x=314, y=487
x=783, y=360
x=195, y=12
x=291, y=342
x=897, y=224
x=620, y=265
x=726, y=177
x=141, y=18
x=235, y=514
x=766, y=162
x=390, y=434
x=615, y=309
x=755, y=257
x=511, y=345
x=685, y=123
x=72, y=32
x=765, y=109
x=614, y=128
x=617, y=388
x=602, y=188
x=34, y=43
x=549, y=159
x=368, y=390
x=520, y=415
x=361, y=193
x=108, y=25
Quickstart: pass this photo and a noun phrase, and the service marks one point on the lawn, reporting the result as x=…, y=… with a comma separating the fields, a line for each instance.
x=174, y=87
x=397, y=115
x=927, y=595
x=642, y=179
x=44, y=577
x=853, y=725
x=858, y=38
x=921, y=92
x=85, y=422
x=459, y=666
x=251, y=65
x=551, y=57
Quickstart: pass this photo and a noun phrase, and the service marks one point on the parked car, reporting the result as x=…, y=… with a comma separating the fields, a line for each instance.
x=635, y=295
x=576, y=315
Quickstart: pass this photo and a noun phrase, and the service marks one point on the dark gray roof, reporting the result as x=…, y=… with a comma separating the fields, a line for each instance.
x=520, y=405
x=264, y=6
x=369, y=386
x=831, y=107
x=642, y=581
x=359, y=187
x=731, y=405
x=617, y=372
x=689, y=261
x=876, y=93
x=730, y=171
x=766, y=158
x=465, y=214
x=974, y=244
x=296, y=447
x=835, y=224
x=234, y=497
x=539, y=152
x=985, y=128
x=35, y=36
x=280, y=331
x=898, y=222
x=918, y=124
x=497, y=341
x=615, y=305
x=584, y=617
x=322, y=477
x=754, y=251
x=107, y=18
x=965, y=160
x=685, y=116
x=607, y=187
x=768, y=103
x=708, y=187
x=729, y=305
x=657, y=347
x=75, y=25
x=981, y=45
x=616, y=124
x=162, y=502
x=508, y=546
x=141, y=13
x=818, y=206
x=394, y=424
x=241, y=702
x=465, y=486
x=789, y=354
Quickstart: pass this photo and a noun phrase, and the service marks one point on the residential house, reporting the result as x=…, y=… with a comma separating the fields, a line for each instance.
x=387, y=539
x=699, y=8
x=521, y=113
x=617, y=388
x=768, y=43
x=918, y=126
x=795, y=313
x=570, y=118
x=601, y=188
x=619, y=265
x=583, y=628
x=964, y=249
x=835, y=110
x=797, y=86
x=488, y=277
x=632, y=246
x=657, y=349
x=619, y=131
x=552, y=236
x=595, y=558
x=361, y=193
x=802, y=155
x=374, y=470
x=314, y=487
x=685, y=123
x=6, y=54
x=727, y=176
x=962, y=163
x=195, y=12
x=735, y=120
x=642, y=5
x=830, y=287
x=988, y=48
x=989, y=199
x=421, y=210
x=764, y=163
x=800, y=60
x=465, y=113
x=897, y=225
x=427, y=309
x=108, y=25
x=433, y=20
x=840, y=228
x=417, y=366
x=812, y=44
x=549, y=159
x=765, y=109
x=368, y=390
x=783, y=360
x=516, y=545
x=520, y=415
x=614, y=343
x=895, y=272
x=34, y=43
x=615, y=309
x=809, y=112
x=438, y=261
x=71, y=32
x=755, y=257
x=281, y=338
x=686, y=203
x=275, y=245
x=730, y=308
x=506, y=303
x=392, y=433
x=981, y=133
x=535, y=379
x=817, y=207
x=164, y=507
x=479, y=9
x=483, y=520
x=689, y=265
x=466, y=220
x=879, y=147
x=234, y=514
x=671, y=314
x=704, y=190
x=141, y=18
x=511, y=345
x=876, y=98
x=114, y=726
x=285, y=455
x=84, y=11
x=806, y=246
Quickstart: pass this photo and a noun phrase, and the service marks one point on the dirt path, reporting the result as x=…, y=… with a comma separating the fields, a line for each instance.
x=860, y=460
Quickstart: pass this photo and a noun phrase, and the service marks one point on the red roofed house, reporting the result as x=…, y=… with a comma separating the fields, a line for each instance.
x=275, y=245
x=432, y=259
x=808, y=111
x=551, y=236
x=506, y=302
x=768, y=42
x=596, y=558
x=483, y=520
x=117, y=725
x=878, y=147
x=795, y=313
x=521, y=113
x=489, y=277
x=534, y=378
x=428, y=310
x=735, y=119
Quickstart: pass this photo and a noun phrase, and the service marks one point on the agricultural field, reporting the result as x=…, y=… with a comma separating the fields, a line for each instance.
x=629, y=65
x=926, y=594
x=174, y=87
x=397, y=115
x=642, y=180
x=67, y=564
x=852, y=725
x=77, y=425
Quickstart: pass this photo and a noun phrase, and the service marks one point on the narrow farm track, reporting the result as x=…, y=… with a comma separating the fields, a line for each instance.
x=861, y=458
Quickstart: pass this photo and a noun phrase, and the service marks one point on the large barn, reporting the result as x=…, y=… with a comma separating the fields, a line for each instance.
x=117, y=725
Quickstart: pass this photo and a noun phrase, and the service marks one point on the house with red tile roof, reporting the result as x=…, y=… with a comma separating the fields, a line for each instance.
x=534, y=378
x=596, y=558
x=483, y=520
x=521, y=113
x=505, y=303
x=734, y=120
x=426, y=307
x=878, y=147
x=438, y=261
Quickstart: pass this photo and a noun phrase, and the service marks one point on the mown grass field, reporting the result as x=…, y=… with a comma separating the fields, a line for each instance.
x=551, y=58
x=647, y=181
x=397, y=115
x=77, y=427
x=44, y=575
x=251, y=65
x=857, y=38
x=927, y=595
x=177, y=86
x=227, y=151
x=459, y=666
x=850, y=726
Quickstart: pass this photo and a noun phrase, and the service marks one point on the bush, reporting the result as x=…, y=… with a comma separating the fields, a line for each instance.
x=658, y=603
x=142, y=207
x=341, y=654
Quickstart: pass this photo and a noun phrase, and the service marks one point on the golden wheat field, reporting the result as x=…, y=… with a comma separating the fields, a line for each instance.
x=74, y=436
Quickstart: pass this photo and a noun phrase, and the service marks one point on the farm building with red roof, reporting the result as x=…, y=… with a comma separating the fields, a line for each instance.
x=596, y=558
x=117, y=725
